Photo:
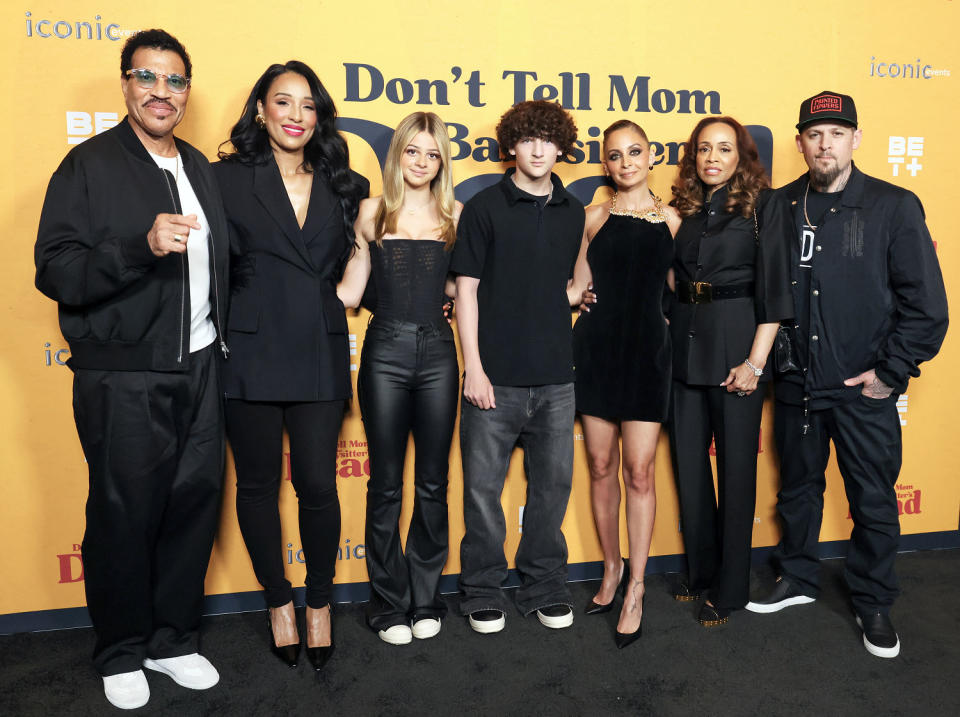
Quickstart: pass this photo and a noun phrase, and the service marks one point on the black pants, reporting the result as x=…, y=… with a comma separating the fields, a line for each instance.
x=866, y=433
x=717, y=527
x=154, y=447
x=409, y=381
x=255, y=430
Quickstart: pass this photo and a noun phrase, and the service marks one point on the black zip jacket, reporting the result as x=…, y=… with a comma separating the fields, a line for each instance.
x=121, y=307
x=877, y=299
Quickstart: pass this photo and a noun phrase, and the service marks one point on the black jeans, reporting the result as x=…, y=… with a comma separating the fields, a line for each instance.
x=717, y=527
x=255, y=430
x=409, y=381
x=540, y=420
x=866, y=433
x=154, y=447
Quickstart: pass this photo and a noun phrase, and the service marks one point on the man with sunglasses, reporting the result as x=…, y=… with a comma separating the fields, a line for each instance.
x=132, y=244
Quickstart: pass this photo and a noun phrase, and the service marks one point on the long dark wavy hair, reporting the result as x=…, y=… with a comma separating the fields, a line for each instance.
x=742, y=189
x=325, y=153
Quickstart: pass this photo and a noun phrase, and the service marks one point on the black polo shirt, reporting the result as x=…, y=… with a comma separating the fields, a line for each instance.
x=523, y=251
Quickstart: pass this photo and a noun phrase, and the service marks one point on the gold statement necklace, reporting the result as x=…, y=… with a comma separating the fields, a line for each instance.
x=654, y=216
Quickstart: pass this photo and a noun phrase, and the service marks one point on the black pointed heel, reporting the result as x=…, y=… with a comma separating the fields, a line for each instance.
x=288, y=654
x=622, y=639
x=595, y=608
x=320, y=656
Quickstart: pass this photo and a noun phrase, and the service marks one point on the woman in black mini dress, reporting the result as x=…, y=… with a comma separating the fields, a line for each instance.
x=622, y=357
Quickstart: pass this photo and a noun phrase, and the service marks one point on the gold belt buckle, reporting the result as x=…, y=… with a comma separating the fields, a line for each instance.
x=702, y=292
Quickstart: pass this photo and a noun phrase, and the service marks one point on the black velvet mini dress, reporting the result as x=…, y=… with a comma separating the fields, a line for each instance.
x=621, y=348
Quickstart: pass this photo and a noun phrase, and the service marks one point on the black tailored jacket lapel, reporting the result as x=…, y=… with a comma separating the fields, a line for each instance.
x=288, y=325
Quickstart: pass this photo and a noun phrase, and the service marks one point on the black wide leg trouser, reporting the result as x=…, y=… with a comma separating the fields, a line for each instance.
x=255, y=430
x=717, y=526
x=866, y=434
x=154, y=445
x=409, y=381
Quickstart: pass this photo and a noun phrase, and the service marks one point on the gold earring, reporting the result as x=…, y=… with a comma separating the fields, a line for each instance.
x=261, y=122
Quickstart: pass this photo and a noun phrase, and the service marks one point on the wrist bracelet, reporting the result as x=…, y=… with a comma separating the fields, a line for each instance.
x=756, y=371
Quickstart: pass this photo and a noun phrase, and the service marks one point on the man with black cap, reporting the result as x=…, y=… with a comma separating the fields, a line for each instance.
x=870, y=307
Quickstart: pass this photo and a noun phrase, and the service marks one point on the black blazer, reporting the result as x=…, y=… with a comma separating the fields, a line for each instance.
x=710, y=339
x=287, y=329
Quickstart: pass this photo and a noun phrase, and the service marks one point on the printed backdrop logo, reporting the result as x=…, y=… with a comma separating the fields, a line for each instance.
x=900, y=148
x=77, y=29
x=344, y=552
x=83, y=125
x=905, y=70
x=52, y=356
x=902, y=409
x=71, y=566
x=825, y=103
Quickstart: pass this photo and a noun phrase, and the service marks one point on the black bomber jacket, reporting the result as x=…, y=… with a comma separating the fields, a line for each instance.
x=120, y=306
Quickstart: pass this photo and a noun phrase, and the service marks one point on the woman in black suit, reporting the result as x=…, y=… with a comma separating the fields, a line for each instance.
x=732, y=289
x=291, y=201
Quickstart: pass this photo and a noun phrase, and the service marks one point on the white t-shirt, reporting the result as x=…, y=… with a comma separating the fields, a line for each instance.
x=202, y=331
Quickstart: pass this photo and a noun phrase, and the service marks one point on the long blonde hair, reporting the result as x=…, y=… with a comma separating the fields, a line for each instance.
x=385, y=221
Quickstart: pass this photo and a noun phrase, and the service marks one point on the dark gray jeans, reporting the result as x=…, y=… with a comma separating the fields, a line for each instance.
x=540, y=420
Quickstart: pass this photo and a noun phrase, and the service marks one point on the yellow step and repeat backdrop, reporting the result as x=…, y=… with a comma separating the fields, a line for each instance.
x=664, y=65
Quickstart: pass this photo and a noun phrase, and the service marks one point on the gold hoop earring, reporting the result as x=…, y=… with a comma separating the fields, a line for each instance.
x=261, y=122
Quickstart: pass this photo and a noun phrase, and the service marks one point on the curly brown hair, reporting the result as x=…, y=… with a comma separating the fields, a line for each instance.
x=742, y=189
x=536, y=118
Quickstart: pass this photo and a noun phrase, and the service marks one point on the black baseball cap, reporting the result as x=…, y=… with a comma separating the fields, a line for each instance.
x=827, y=106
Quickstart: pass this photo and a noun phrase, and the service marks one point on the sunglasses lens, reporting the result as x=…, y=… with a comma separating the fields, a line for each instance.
x=145, y=78
x=177, y=83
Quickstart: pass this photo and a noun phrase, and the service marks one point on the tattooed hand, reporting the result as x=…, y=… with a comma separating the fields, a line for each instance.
x=873, y=387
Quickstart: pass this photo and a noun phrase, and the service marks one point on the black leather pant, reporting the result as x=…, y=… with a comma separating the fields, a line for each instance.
x=409, y=381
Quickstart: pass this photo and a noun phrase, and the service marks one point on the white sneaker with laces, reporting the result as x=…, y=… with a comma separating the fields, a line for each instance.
x=193, y=671
x=128, y=690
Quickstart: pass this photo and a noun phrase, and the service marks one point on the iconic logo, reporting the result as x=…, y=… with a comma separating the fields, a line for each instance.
x=908, y=499
x=825, y=103
x=899, y=149
x=905, y=70
x=344, y=552
x=55, y=356
x=83, y=125
x=80, y=30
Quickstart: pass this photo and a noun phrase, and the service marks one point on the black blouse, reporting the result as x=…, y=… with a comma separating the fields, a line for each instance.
x=724, y=249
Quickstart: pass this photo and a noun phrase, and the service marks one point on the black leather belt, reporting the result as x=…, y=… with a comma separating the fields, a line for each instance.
x=703, y=292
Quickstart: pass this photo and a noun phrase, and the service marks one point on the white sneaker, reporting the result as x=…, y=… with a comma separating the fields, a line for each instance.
x=128, y=690
x=426, y=627
x=397, y=635
x=193, y=671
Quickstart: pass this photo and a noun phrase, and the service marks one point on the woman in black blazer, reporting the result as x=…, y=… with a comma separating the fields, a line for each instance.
x=291, y=201
x=732, y=289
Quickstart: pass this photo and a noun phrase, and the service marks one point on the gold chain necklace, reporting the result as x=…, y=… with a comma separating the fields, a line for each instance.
x=654, y=216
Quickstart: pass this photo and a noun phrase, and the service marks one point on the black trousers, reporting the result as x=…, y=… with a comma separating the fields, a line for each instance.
x=866, y=434
x=717, y=527
x=154, y=447
x=409, y=381
x=255, y=430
